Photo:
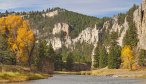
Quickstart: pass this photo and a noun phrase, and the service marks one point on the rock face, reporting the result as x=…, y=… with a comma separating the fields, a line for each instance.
x=125, y=27
x=51, y=14
x=120, y=29
x=140, y=21
x=56, y=43
x=61, y=27
x=89, y=35
x=115, y=27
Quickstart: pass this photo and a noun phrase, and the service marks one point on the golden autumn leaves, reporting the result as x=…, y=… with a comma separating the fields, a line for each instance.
x=20, y=36
x=127, y=57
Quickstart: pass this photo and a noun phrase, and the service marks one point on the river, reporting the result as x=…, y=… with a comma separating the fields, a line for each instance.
x=79, y=79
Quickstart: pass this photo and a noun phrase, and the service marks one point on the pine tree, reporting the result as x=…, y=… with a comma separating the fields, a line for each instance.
x=103, y=57
x=50, y=53
x=96, y=57
x=114, y=57
x=131, y=37
x=46, y=57
x=69, y=62
x=114, y=52
x=142, y=58
x=58, y=62
x=6, y=56
x=42, y=53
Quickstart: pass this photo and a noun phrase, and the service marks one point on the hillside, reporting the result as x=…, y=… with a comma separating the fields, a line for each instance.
x=62, y=27
x=86, y=36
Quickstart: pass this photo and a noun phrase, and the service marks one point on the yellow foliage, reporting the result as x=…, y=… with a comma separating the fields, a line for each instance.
x=20, y=36
x=127, y=57
x=13, y=21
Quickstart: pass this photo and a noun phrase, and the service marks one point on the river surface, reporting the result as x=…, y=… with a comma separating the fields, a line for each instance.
x=78, y=79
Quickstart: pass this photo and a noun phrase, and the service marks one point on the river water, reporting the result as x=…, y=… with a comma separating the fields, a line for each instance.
x=78, y=79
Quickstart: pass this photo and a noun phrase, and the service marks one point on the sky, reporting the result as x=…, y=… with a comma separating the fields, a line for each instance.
x=98, y=8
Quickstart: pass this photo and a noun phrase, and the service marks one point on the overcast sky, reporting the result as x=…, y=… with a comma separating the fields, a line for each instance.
x=98, y=8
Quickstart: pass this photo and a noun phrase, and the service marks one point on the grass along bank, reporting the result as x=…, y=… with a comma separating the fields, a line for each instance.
x=109, y=72
x=116, y=73
x=12, y=73
x=18, y=77
x=67, y=72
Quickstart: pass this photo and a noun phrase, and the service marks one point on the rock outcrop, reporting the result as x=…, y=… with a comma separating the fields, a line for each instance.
x=140, y=21
x=125, y=27
x=61, y=27
x=56, y=43
x=115, y=27
x=51, y=14
x=89, y=35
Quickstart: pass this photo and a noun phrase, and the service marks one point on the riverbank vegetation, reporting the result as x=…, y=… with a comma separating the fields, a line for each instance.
x=18, y=50
x=15, y=73
x=19, y=77
x=123, y=73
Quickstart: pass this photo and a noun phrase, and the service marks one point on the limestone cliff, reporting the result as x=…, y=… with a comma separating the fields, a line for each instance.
x=89, y=35
x=51, y=14
x=140, y=21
